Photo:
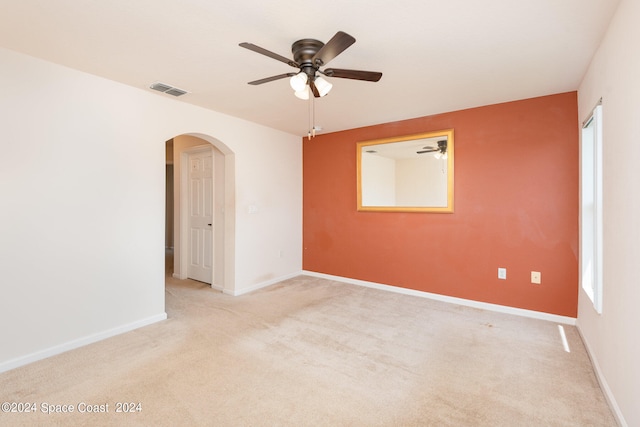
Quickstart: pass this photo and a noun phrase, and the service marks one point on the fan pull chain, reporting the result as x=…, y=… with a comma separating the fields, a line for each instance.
x=309, y=119
x=312, y=118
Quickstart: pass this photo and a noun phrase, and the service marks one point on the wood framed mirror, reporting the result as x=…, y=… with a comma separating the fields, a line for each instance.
x=410, y=173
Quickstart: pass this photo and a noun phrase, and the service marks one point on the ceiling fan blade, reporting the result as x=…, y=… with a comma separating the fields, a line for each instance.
x=370, y=76
x=333, y=48
x=427, y=150
x=272, y=78
x=270, y=54
x=314, y=89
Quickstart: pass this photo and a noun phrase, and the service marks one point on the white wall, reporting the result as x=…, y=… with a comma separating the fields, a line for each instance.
x=613, y=338
x=82, y=188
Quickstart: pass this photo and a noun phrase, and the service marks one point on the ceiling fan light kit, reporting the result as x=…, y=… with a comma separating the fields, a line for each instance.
x=299, y=81
x=309, y=55
x=323, y=86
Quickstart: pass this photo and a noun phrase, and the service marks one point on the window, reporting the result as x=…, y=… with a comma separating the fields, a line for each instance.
x=591, y=207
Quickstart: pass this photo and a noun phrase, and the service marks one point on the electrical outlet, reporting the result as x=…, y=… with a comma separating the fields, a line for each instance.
x=502, y=273
x=536, y=277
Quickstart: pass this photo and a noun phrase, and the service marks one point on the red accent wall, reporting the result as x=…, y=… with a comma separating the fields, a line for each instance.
x=516, y=206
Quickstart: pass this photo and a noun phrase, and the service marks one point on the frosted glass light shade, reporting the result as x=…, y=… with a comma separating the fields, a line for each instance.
x=323, y=86
x=299, y=81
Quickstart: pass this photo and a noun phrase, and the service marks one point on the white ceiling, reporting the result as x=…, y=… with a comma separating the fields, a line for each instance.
x=435, y=56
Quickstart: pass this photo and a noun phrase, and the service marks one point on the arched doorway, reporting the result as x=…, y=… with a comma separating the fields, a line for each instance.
x=222, y=251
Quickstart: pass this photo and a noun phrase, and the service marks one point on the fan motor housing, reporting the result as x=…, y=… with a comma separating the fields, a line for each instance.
x=304, y=50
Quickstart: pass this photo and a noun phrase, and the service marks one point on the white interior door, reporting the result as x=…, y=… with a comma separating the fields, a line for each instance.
x=200, y=220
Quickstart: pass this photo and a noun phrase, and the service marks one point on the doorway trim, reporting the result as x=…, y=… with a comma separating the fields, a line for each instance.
x=225, y=206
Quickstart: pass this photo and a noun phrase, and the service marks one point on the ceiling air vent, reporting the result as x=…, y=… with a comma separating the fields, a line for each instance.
x=170, y=90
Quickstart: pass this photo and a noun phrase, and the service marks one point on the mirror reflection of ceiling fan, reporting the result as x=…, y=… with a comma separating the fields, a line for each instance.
x=440, y=150
x=309, y=55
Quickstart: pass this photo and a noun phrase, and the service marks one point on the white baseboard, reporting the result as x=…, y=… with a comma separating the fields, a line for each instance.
x=80, y=342
x=217, y=287
x=452, y=300
x=261, y=285
x=617, y=413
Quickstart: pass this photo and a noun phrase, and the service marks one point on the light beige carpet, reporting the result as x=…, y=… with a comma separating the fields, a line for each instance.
x=313, y=352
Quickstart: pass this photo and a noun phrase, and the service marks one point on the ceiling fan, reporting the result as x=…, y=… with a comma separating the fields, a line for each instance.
x=309, y=55
x=440, y=150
